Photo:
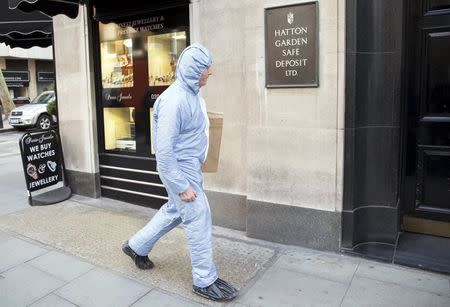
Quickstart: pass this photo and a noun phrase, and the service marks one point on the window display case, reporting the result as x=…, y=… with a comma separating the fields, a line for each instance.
x=163, y=53
x=117, y=63
x=120, y=129
x=138, y=59
x=135, y=61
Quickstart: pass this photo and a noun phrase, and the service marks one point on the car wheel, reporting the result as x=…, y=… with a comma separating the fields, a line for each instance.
x=44, y=122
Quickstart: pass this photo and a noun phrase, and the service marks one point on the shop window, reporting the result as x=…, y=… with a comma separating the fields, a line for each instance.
x=138, y=58
x=117, y=63
x=163, y=53
x=120, y=129
x=14, y=64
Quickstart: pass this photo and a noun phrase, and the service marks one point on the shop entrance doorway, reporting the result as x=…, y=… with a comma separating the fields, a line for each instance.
x=135, y=58
x=426, y=190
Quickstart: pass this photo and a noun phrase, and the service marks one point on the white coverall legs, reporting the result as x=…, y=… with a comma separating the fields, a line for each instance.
x=195, y=217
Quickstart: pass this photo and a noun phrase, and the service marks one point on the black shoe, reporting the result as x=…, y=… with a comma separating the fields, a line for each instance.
x=219, y=290
x=142, y=262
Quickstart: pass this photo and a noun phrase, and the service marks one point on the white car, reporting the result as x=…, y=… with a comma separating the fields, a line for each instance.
x=33, y=114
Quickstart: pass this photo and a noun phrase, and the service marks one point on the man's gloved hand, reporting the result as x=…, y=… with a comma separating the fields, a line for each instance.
x=188, y=195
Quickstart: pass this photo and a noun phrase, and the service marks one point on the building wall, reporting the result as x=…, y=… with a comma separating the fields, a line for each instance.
x=33, y=60
x=76, y=104
x=281, y=154
x=32, y=88
x=280, y=175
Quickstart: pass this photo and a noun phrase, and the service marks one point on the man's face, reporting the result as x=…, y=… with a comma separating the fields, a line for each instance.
x=204, y=76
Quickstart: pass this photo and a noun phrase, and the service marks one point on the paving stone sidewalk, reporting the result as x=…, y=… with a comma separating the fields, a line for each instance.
x=52, y=256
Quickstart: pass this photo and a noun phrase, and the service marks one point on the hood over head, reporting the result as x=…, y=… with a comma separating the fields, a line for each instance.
x=191, y=64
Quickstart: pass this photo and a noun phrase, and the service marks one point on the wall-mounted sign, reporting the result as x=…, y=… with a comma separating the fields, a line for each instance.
x=292, y=46
x=116, y=97
x=152, y=94
x=44, y=76
x=147, y=24
x=161, y=21
x=12, y=76
x=41, y=159
x=11, y=85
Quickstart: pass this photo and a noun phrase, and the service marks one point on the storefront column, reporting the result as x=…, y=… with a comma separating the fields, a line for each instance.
x=194, y=16
x=2, y=64
x=32, y=88
x=372, y=127
x=76, y=103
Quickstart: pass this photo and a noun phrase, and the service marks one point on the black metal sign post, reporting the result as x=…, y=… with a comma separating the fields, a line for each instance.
x=43, y=167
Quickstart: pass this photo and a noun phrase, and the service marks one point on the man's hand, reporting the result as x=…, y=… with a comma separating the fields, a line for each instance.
x=188, y=195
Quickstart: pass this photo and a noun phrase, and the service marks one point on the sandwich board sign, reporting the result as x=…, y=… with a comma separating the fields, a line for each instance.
x=43, y=167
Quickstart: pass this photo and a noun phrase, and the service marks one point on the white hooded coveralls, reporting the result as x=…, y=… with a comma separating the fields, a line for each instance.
x=180, y=141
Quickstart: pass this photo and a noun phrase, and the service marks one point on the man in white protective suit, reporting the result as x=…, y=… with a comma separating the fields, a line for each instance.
x=180, y=140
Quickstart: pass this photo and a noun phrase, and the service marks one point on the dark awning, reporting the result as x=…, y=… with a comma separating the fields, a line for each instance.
x=105, y=10
x=25, y=30
x=49, y=7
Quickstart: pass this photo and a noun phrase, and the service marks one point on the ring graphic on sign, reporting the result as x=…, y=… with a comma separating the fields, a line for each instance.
x=51, y=165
